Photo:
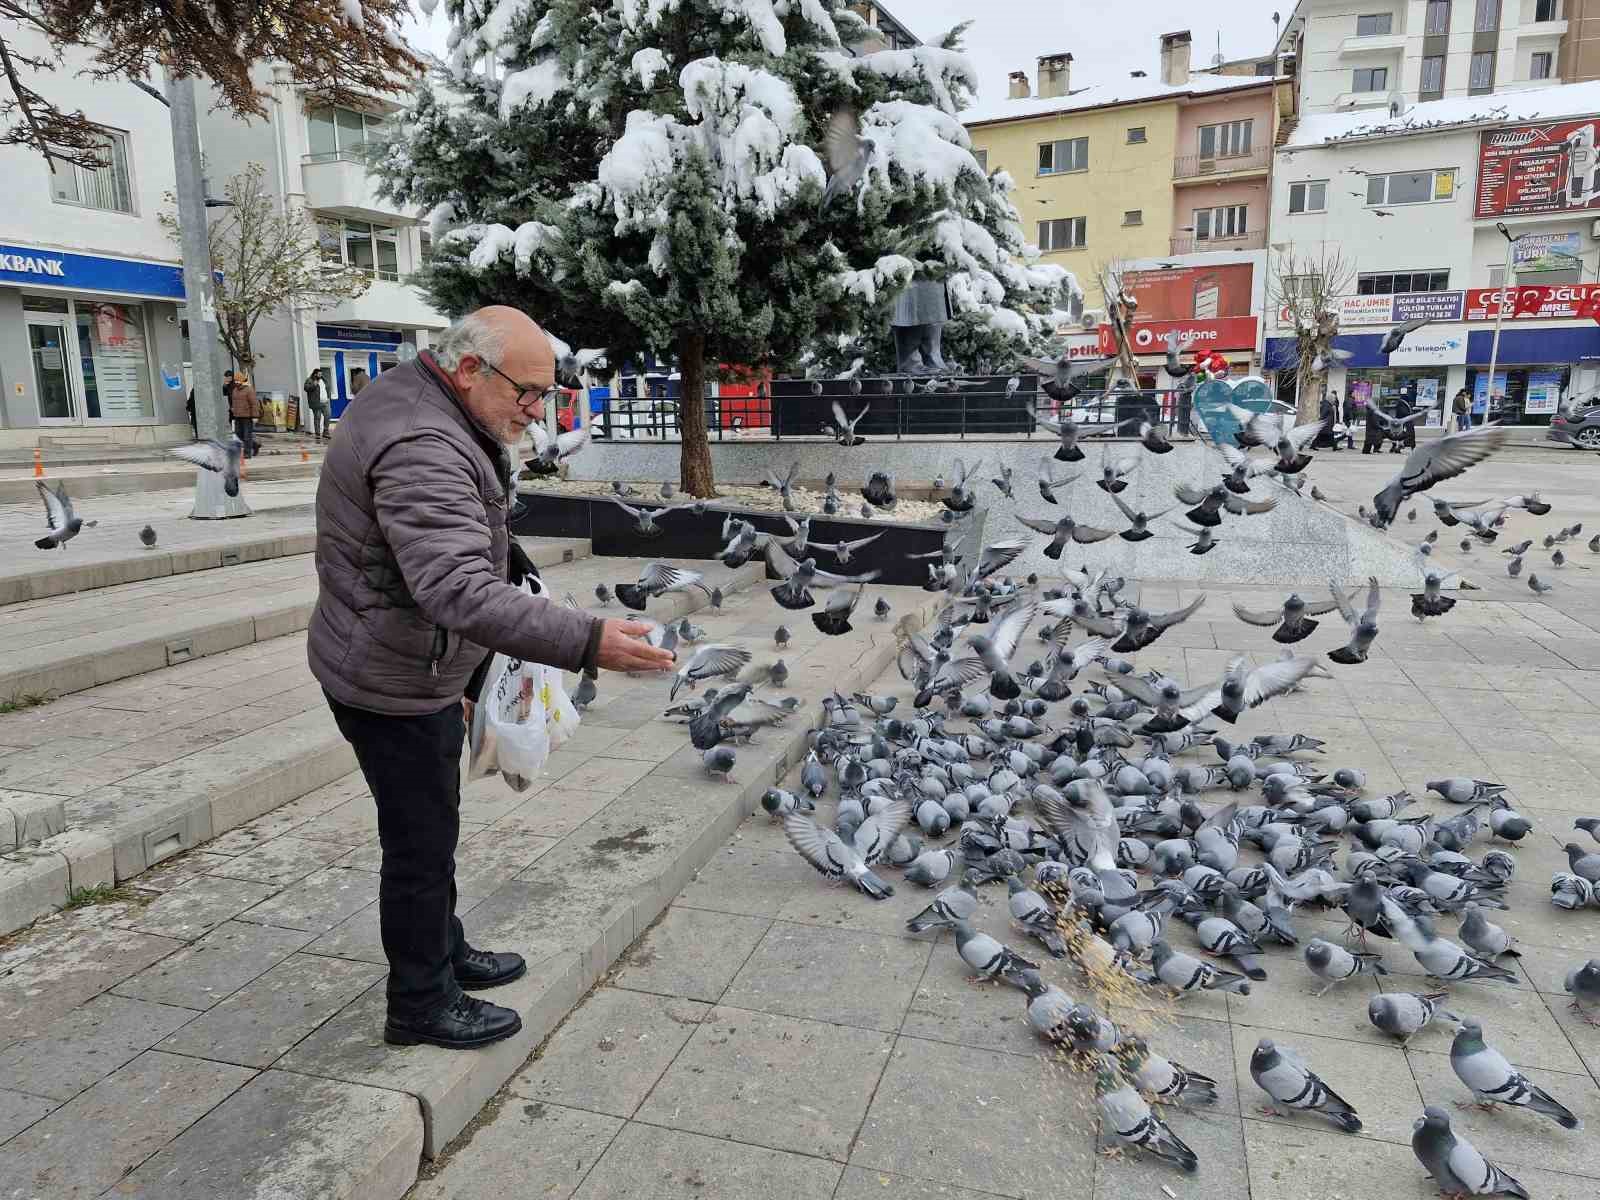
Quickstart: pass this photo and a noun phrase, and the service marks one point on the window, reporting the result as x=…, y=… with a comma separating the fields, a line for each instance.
x=1411, y=187
x=1497, y=275
x=1134, y=216
x=1547, y=10
x=1539, y=65
x=1227, y=140
x=1266, y=67
x=342, y=132
x=1370, y=79
x=1064, y=233
x=1299, y=287
x=1432, y=75
x=1214, y=224
x=1308, y=197
x=105, y=187
x=1069, y=154
x=1374, y=24
x=367, y=247
x=1486, y=17
x=1436, y=19
x=1393, y=283
x=983, y=160
x=427, y=245
x=1480, y=74
x=1135, y=134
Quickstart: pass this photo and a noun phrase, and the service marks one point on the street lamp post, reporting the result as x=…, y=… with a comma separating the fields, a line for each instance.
x=1499, y=317
x=211, y=502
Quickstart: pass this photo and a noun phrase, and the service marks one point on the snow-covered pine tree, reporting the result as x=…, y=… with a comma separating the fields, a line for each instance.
x=645, y=175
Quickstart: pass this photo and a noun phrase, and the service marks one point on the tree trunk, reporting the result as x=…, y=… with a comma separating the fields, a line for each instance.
x=694, y=472
x=1313, y=385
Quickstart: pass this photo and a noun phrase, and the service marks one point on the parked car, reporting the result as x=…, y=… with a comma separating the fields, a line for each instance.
x=1579, y=429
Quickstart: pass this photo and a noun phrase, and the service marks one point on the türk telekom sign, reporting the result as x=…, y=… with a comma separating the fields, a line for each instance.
x=1534, y=301
x=1222, y=333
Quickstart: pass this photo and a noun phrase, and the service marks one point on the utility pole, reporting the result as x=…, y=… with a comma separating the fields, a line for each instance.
x=211, y=503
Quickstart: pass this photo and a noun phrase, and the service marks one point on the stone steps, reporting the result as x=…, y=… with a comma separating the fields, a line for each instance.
x=199, y=773
x=17, y=486
x=58, y=646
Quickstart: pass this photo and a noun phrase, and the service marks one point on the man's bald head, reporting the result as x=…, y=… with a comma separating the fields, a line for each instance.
x=500, y=363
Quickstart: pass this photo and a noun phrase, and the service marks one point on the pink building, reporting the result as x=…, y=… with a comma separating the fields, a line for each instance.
x=1220, y=169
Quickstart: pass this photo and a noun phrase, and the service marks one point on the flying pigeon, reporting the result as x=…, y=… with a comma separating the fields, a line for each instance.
x=212, y=455
x=1433, y=462
x=832, y=856
x=656, y=580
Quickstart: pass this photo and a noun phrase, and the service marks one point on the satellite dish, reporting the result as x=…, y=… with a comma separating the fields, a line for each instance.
x=1397, y=104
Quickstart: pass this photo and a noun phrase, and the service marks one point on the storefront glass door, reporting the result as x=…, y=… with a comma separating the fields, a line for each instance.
x=53, y=382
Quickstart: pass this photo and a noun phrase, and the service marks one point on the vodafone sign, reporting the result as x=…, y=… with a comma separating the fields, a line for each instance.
x=1220, y=333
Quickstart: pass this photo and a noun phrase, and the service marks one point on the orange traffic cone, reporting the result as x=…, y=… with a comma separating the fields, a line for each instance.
x=305, y=455
x=38, y=463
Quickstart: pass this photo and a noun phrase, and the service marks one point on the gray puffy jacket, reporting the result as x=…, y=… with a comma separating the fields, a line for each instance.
x=411, y=555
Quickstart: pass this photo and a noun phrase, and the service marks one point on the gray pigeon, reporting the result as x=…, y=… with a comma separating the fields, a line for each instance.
x=931, y=867
x=1583, y=985
x=990, y=959
x=780, y=803
x=1335, y=963
x=1126, y=1119
x=222, y=458
x=1466, y=791
x=147, y=535
x=586, y=691
x=1538, y=585
x=1033, y=913
x=949, y=906
x=812, y=777
x=849, y=153
x=719, y=760
x=881, y=609
x=780, y=638
x=1048, y=1009
x=832, y=856
x=707, y=663
x=1483, y=936
x=1402, y=1014
x=1288, y=1081
x=1585, y=864
x=63, y=523
x=1363, y=624
x=1442, y=958
x=1493, y=1080
x=602, y=593
x=1454, y=1162
x=1514, y=567
x=1184, y=973
x=1163, y=1081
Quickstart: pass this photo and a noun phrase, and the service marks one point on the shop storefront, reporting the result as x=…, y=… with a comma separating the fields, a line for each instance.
x=1427, y=369
x=1537, y=371
x=352, y=356
x=88, y=341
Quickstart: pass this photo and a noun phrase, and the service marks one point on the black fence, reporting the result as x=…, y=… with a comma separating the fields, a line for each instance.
x=891, y=407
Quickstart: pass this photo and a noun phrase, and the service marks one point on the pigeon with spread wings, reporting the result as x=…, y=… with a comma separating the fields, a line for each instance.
x=1141, y=628
x=845, y=430
x=1363, y=625
x=213, y=455
x=794, y=592
x=1433, y=462
x=1140, y=528
x=1209, y=503
x=550, y=452
x=63, y=523
x=657, y=579
x=1243, y=688
x=1062, y=531
x=1293, y=619
x=833, y=857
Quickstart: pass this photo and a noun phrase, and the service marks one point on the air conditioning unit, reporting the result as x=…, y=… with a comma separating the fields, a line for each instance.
x=1594, y=230
x=1093, y=317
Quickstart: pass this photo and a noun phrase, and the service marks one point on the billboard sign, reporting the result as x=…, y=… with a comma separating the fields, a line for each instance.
x=1547, y=168
x=1190, y=293
x=1431, y=306
x=1432, y=346
x=1224, y=333
x=1540, y=301
x=1387, y=310
x=1546, y=251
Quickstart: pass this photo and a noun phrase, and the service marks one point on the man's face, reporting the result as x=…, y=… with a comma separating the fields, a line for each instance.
x=507, y=399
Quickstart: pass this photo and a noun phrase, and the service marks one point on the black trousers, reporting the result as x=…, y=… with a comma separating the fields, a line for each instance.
x=245, y=429
x=413, y=766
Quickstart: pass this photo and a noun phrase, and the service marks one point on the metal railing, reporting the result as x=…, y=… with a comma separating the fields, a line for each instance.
x=1254, y=240
x=1192, y=166
x=792, y=410
x=360, y=155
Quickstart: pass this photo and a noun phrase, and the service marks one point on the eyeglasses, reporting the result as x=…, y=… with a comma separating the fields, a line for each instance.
x=548, y=395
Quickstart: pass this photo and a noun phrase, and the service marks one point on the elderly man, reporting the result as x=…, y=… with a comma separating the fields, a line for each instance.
x=412, y=558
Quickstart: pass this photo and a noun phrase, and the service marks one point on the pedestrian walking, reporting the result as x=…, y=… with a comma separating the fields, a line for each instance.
x=1328, y=414
x=1372, y=437
x=244, y=406
x=316, y=392
x=1462, y=409
x=1404, y=406
x=415, y=565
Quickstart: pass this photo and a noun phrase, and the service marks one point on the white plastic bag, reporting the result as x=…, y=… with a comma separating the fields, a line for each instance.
x=522, y=714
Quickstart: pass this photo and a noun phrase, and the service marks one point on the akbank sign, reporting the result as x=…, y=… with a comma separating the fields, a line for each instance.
x=25, y=265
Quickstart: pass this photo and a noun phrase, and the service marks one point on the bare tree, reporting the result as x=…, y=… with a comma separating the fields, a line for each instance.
x=341, y=49
x=266, y=259
x=1305, y=290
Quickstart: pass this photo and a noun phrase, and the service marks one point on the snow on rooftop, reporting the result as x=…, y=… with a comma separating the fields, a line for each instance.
x=1534, y=104
x=1098, y=95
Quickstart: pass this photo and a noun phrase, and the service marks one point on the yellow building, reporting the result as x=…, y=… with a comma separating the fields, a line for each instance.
x=1141, y=169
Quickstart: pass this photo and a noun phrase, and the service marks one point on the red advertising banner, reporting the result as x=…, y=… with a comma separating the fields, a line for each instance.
x=1225, y=333
x=1539, y=169
x=1187, y=293
x=1534, y=301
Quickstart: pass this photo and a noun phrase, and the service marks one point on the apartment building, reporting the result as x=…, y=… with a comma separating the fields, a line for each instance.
x=1164, y=175
x=314, y=155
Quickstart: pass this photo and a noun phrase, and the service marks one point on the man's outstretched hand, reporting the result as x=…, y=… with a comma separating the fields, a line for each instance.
x=623, y=648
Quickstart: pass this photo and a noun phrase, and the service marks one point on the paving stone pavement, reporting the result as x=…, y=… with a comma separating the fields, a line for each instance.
x=773, y=1034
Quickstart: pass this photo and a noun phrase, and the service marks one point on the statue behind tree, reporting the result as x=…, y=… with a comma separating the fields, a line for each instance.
x=918, y=320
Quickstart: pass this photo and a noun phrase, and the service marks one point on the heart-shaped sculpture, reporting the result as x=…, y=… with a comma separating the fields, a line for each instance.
x=1211, y=400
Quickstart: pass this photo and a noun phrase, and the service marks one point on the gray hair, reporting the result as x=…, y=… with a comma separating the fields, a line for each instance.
x=470, y=335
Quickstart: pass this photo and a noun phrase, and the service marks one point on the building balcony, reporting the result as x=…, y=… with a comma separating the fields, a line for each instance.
x=338, y=183
x=1541, y=30
x=1383, y=43
x=386, y=303
x=1191, y=168
x=1255, y=240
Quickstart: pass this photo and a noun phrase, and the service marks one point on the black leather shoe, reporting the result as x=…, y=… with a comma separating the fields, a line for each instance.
x=486, y=969
x=463, y=1023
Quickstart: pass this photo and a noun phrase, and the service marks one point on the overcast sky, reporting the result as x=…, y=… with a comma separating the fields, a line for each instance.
x=1106, y=39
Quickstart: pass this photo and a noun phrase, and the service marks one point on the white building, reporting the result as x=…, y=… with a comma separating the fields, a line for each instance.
x=90, y=285
x=1354, y=54
x=313, y=157
x=1415, y=205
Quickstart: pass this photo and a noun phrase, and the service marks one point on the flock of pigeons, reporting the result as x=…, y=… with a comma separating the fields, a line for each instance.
x=1104, y=836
